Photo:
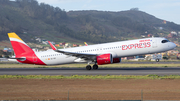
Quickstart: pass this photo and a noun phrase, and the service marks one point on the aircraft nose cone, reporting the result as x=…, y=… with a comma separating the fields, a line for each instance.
x=174, y=45
x=171, y=45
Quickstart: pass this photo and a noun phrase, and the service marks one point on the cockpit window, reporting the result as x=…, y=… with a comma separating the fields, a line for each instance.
x=164, y=41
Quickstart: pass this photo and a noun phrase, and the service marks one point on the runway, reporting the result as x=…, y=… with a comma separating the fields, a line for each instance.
x=83, y=71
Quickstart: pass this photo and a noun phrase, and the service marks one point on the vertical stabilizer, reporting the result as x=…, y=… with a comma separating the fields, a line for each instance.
x=85, y=43
x=18, y=44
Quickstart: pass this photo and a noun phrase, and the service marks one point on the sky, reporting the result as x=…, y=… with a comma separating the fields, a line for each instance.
x=164, y=9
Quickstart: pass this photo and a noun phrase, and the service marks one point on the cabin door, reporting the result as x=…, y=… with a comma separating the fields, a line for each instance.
x=154, y=43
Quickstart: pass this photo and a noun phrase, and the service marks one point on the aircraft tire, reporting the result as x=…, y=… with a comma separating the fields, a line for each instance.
x=95, y=67
x=88, y=67
x=157, y=60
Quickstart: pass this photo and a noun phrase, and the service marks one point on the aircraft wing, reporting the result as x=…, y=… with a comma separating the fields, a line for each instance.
x=85, y=56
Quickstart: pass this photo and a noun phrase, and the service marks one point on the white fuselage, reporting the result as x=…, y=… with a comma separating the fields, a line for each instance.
x=117, y=49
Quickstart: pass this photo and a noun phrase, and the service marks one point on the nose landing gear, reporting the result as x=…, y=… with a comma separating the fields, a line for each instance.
x=157, y=60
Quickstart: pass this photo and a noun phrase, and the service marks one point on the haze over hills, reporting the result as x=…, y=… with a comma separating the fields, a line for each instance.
x=28, y=19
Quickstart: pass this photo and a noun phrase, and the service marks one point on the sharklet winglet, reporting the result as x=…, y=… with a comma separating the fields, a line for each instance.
x=52, y=46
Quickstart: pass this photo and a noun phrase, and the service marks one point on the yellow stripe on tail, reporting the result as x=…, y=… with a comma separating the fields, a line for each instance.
x=14, y=35
x=85, y=43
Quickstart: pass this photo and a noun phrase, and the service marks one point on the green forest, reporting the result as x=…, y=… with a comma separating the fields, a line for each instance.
x=30, y=19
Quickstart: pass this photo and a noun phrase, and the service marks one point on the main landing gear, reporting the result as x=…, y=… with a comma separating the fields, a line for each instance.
x=95, y=67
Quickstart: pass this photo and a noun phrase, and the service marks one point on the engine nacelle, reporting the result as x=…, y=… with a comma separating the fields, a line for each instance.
x=107, y=59
x=116, y=60
x=104, y=59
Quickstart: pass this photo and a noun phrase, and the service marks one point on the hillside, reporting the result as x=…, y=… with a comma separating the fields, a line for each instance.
x=28, y=18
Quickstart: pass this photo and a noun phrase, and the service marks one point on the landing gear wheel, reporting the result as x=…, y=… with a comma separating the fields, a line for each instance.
x=157, y=60
x=95, y=67
x=88, y=67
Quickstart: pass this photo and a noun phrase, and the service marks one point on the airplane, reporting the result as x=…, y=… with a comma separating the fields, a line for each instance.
x=98, y=54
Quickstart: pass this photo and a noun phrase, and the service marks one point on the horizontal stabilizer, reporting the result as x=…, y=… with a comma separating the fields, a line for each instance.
x=20, y=59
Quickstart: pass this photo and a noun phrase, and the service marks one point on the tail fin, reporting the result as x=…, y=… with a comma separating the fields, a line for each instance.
x=85, y=43
x=18, y=44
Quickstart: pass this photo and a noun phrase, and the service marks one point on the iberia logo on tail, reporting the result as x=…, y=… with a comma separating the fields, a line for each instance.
x=18, y=44
x=23, y=52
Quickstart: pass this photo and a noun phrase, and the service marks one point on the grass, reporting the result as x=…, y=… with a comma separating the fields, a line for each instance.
x=121, y=65
x=152, y=76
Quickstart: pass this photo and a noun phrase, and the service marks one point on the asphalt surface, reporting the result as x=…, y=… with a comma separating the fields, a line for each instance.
x=83, y=71
x=151, y=62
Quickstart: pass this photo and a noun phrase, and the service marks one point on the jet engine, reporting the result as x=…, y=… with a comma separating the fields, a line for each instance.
x=104, y=59
x=107, y=59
